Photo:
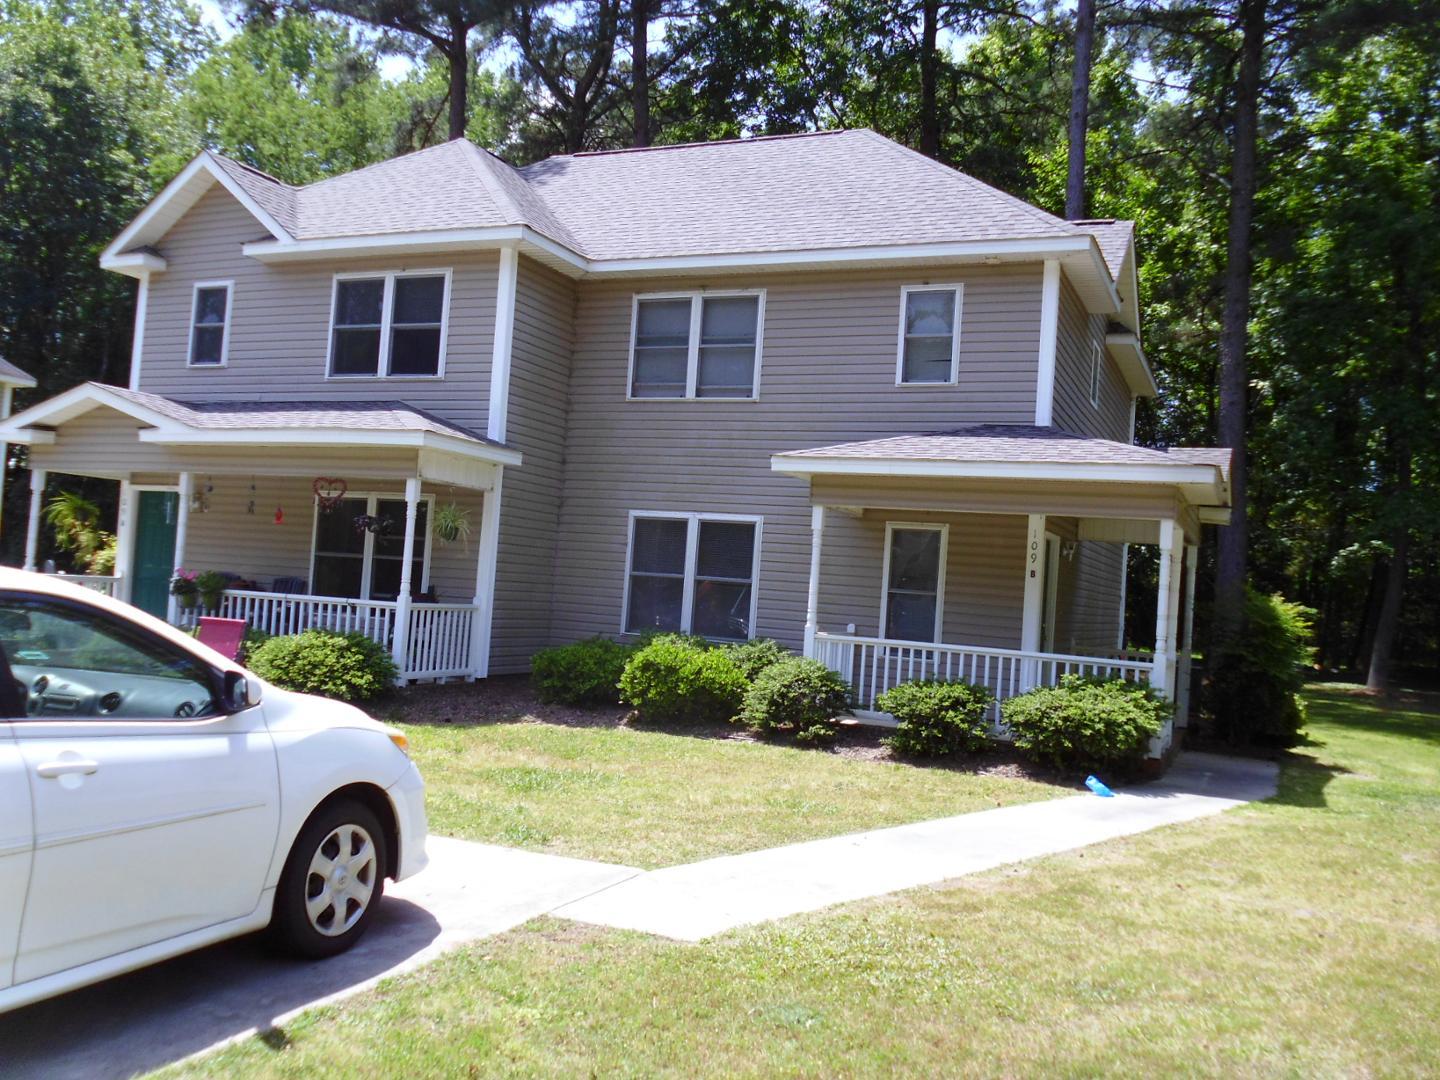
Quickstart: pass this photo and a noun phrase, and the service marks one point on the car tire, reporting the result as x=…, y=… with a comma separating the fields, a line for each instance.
x=333, y=881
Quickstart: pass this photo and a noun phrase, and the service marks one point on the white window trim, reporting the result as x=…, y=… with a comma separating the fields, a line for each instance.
x=387, y=306
x=1096, y=371
x=229, y=287
x=692, y=365
x=926, y=526
x=905, y=291
x=368, y=556
x=692, y=551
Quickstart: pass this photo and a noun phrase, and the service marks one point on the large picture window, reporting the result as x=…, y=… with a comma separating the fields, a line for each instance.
x=929, y=334
x=693, y=573
x=911, y=607
x=356, y=562
x=697, y=345
x=390, y=325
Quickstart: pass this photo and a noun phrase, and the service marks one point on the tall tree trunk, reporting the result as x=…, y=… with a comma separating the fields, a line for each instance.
x=640, y=69
x=459, y=60
x=1080, y=107
x=1234, y=380
x=929, y=74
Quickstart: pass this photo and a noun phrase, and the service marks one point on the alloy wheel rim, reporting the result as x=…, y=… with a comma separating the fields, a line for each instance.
x=341, y=880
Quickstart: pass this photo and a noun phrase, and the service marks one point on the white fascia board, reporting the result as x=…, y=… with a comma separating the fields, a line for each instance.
x=26, y=436
x=79, y=400
x=19, y=382
x=136, y=264
x=1213, y=515
x=133, y=234
x=1191, y=475
x=270, y=251
x=275, y=436
x=1136, y=368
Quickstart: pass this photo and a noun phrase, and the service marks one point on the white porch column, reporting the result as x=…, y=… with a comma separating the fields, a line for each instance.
x=812, y=597
x=1187, y=635
x=1033, y=612
x=7, y=397
x=1162, y=671
x=1049, y=339
x=124, y=540
x=485, y=580
x=400, y=641
x=1124, y=586
x=182, y=529
x=32, y=527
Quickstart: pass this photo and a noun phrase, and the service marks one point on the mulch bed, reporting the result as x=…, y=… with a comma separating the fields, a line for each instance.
x=510, y=699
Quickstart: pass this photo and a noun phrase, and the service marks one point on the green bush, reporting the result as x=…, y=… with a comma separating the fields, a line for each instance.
x=585, y=673
x=798, y=696
x=1085, y=723
x=937, y=717
x=754, y=656
x=673, y=679
x=1253, y=690
x=349, y=667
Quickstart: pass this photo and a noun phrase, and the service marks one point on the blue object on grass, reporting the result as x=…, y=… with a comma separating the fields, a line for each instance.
x=1094, y=784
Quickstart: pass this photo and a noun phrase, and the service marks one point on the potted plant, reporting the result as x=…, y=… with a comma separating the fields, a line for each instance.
x=184, y=589
x=451, y=523
x=210, y=584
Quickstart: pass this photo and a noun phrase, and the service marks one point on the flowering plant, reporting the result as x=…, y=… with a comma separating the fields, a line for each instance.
x=184, y=588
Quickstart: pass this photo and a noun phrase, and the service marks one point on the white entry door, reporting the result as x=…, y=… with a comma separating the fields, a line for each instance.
x=155, y=815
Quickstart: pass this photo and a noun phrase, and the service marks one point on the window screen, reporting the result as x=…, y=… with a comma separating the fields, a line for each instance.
x=912, y=587
x=662, y=348
x=207, y=334
x=727, y=346
x=724, y=573
x=657, y=574
x=355, y=349
x=929, y=344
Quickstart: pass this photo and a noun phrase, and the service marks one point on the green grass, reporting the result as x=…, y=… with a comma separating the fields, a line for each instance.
x=1296, y=937
x=650, y=799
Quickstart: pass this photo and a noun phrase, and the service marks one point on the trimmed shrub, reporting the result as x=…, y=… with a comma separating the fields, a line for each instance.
x=672, y=679
x=1085, y=723
x=1253, y=692
x=798, y=696
x=754, y=656
x=585, y=673
x=937, y=718
x=349, y=667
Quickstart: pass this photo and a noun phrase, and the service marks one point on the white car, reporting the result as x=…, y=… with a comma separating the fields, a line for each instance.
x=156, y=797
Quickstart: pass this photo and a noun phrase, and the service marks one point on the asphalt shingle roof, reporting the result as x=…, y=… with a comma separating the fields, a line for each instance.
x=1011, y=443
x=1114, y=237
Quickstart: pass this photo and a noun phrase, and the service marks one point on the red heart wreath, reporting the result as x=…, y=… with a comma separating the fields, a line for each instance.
x=329, y=490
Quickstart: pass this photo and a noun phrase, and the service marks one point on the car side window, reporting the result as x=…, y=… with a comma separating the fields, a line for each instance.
x=71, y=661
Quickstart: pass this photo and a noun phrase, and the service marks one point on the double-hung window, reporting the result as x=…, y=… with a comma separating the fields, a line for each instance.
x=912, y=605
x=697, y=345
x=390, y=324
x=929, y=349
x=693, y=573
x=360, y=547
x=210, y=324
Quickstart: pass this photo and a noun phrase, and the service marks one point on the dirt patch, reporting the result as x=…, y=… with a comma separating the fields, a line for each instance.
x=509, y=699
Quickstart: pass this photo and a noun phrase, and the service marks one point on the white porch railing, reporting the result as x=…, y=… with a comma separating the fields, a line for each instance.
x=873, y=665
x=437, y=645
x=101, y=583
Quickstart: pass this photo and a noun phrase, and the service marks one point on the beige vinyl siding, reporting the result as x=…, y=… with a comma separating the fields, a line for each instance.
x=1079, y=331
x=280, y=321
x=1089, y=615
x=539, y=378
x=827, y=376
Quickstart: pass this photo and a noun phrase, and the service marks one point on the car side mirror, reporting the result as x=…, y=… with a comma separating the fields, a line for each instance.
x=240, y=692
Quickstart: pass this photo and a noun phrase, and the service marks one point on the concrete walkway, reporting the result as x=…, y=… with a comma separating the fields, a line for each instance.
x=701, y=899
x=194, y=1003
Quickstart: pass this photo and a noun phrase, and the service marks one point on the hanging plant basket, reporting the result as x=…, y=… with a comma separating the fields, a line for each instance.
x=452, y=524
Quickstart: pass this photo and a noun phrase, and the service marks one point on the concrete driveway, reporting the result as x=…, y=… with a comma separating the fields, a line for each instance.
x=164, y=1013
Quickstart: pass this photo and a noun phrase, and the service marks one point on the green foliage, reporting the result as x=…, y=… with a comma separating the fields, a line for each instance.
x=672, y=679
x=75, y=522
x=937, y=718
x=1253, y=691
x=349, y=667
x=1085, y=723
x=754, y=656
x=585, y=673
x=209, y=584
x=798, y=696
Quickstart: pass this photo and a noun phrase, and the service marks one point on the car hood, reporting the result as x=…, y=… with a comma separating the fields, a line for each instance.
x=290, y=711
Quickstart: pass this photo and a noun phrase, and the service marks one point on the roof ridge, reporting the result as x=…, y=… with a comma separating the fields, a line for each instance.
x=699, y=143
x=247, y=167
x=481, y=166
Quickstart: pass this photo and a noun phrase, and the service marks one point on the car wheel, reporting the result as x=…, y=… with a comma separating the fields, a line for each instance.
x=332, y=881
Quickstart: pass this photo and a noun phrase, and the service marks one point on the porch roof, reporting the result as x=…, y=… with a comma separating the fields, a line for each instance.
x=174, y=422
x=1022, y=453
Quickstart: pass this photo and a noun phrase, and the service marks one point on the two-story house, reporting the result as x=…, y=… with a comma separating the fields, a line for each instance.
x=817, y=388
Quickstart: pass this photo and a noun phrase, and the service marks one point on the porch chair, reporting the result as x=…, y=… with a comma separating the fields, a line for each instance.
x=225, y=636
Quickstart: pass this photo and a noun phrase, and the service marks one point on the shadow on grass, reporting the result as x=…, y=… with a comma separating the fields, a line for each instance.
x=1303, y=781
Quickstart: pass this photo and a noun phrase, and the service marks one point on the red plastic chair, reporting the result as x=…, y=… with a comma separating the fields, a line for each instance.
x=225, y=636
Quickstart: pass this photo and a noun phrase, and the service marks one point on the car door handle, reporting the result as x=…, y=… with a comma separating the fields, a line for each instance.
x=51, y=769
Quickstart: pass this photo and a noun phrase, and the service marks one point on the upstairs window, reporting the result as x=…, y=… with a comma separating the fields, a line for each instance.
x=210, y=324
x=390, y=325
x=696, y=345
x=693, y=573
x=1095, y=375
x=929, y=334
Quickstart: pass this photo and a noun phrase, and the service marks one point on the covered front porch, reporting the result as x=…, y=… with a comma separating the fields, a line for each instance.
x=367, y=517
x=998, y=556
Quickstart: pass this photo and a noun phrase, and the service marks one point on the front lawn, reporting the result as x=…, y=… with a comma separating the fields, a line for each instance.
x=581, y=783
x=1296, y=937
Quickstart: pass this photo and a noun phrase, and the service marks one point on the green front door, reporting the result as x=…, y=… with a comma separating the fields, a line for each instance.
x=154, y=551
